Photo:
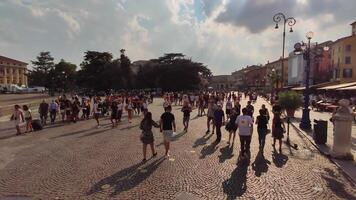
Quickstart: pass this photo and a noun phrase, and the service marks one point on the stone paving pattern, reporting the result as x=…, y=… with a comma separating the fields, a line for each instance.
x=79, y=161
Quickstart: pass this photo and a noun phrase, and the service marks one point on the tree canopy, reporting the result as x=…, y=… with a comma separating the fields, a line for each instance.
x=100, y=71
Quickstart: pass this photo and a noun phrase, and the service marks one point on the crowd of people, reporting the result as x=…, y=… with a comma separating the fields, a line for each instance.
x=234, y=118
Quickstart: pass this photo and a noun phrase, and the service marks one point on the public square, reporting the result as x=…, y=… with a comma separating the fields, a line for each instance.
x=81, y=161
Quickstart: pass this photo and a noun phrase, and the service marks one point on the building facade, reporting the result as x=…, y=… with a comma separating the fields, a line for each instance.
x=13, y=71
x=343, y=58
x=221, y=82
x=274, y=69
x=256, y=78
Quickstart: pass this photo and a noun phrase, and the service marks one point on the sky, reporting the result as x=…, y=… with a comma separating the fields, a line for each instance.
x=225, y=35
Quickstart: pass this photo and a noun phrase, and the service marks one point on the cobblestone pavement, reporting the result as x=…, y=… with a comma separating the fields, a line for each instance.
x=79, y=161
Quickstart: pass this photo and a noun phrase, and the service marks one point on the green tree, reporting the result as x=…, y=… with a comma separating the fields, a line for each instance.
x=172, y=72
x=62, y=76
x=39, y=75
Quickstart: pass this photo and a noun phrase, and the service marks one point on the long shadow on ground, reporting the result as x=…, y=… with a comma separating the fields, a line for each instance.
x=226, y=153
x=279, y=159
x=336, y=185
x=260, y=165
x=236, y=186
x=202, y=140
x=208, y=150
x=127, y=178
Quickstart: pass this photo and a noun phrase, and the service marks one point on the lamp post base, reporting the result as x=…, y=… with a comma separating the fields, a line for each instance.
x=305, y=122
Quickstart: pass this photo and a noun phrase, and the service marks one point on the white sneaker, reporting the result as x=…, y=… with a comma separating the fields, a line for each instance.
x=98, y=126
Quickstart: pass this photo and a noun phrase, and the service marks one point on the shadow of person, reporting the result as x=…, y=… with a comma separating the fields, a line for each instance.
x=202, y=140
x=176, y=136
x=208, y=150
x=127, y=178
x=260, y=165
x=226, y=153
x=337, y=185
x=279, y=159
x=236, y=186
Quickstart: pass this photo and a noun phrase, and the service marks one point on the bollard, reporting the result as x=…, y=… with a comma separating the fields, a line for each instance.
x=342, y=120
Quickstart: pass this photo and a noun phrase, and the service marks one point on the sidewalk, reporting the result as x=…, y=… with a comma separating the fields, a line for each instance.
x=348, y=167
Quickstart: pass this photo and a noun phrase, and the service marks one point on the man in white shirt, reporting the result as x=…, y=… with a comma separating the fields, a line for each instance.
x=244, y=123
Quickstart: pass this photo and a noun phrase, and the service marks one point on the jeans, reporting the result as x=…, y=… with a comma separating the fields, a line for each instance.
x=245, y=141
x=262, y=136
x=218, y=131
x=52, y=115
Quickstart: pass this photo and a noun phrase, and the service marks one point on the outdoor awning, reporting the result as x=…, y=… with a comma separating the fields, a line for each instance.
x=348, y=88
x=299, y=88
x=337, y=86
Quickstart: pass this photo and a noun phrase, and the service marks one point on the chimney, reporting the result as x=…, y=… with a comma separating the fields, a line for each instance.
x=353, y=25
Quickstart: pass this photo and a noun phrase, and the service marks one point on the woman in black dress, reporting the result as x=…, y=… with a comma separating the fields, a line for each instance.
x=277, y=130
x=231, y=126
x=147, y=134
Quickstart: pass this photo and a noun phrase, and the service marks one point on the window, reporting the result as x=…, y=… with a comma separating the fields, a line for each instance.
x=339, y=49
x=347, y=60
x=348, y=47
x=347, y=73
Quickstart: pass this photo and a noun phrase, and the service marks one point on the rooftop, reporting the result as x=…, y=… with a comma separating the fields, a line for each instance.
x=10, y=60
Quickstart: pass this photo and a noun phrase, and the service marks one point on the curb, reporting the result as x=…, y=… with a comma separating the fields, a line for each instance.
x=349, y=177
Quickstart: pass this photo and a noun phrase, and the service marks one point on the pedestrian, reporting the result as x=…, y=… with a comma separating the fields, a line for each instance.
x=228, y=108
x=28, y=118
x=262, y=122
x=75, y=109
x=278, y=129
x=231, y=126
x=120, y=107
x=53, y=110
x=186, y=109
x=43, y=111
x=237, y=108
x=144, y=107
x=113, y=117
x=129, y=109
x=18, y=118
x=249, y=109
x=168, y=126
x=265, y=111
x=68, y=106
x=147, y=134
x=96, y=110
x=62, y=107
x=210, y=116
x=244, y=123
x=219, y=120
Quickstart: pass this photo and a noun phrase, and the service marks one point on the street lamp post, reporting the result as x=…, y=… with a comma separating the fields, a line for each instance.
x=280, y=17
x=305, y=49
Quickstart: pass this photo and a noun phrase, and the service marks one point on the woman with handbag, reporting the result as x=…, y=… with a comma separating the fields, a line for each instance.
x=147, y=134
x=277, y=130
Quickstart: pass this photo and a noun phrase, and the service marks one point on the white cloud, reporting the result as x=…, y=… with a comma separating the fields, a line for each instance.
x=148, y=29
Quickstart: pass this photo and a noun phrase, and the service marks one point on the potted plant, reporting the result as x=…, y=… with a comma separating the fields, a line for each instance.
x=290, y=101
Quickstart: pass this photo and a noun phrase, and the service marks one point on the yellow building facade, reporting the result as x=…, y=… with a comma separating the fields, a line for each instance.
x=13, y=71
x=275, y=67
x=343, y=57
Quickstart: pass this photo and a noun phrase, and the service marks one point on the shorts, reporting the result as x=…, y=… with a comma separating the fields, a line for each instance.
x=96, y=115
x=167, y=135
